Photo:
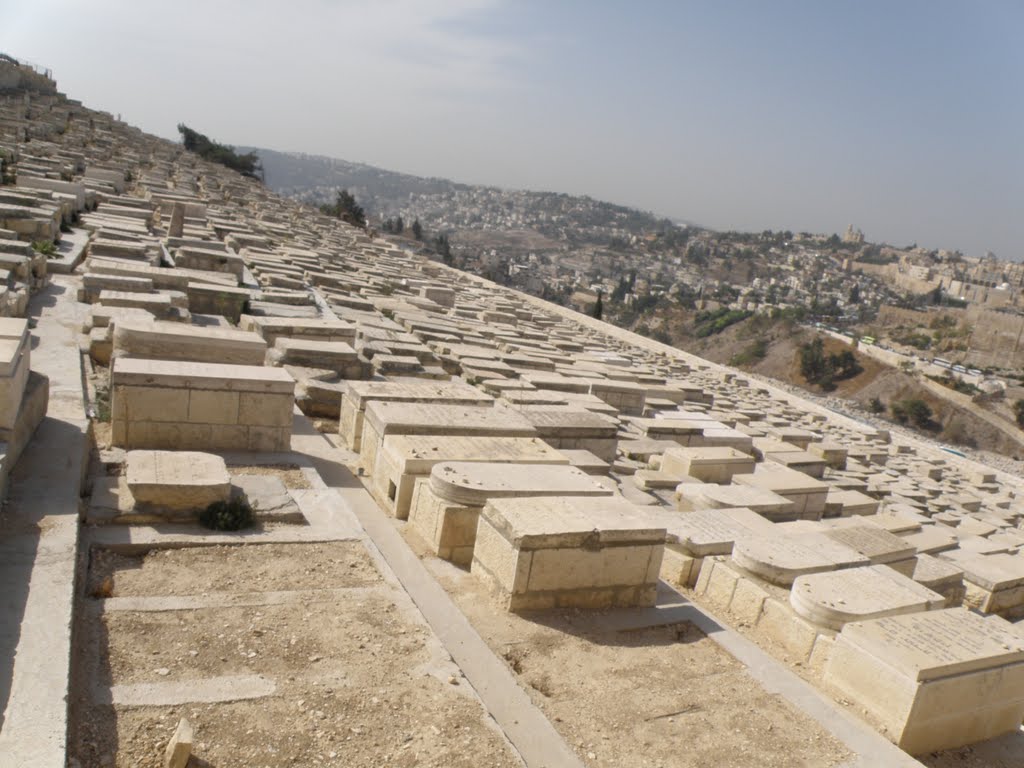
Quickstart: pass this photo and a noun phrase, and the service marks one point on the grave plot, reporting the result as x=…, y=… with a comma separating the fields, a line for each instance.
x=277, y=654
x=662, y=696
x=153, y=487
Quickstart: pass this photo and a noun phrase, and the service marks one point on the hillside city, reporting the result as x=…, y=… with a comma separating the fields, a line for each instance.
x=681, y=284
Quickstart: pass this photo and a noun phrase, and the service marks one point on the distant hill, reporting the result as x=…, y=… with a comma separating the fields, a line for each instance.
x=312, y=177
x=443, y=205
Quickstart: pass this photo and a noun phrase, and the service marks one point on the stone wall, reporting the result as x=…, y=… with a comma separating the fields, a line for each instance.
x=20, y=77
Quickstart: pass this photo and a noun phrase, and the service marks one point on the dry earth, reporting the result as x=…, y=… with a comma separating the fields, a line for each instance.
x=360, y=680
x=663, y=697
x=954, y=424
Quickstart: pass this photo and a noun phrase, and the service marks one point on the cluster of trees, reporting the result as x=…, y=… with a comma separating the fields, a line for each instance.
x=752, y=353
x=914, y=339
x=247, y=164
x=442, y=247
x=396, y=226
x=956, y=383
x=913, y=410
x=347, y=209
x=393, y=226
x=717, y=320
x=823, y=369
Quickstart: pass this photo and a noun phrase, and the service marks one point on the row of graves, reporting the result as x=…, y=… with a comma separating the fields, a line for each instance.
x=564, y=463
x=46, y=185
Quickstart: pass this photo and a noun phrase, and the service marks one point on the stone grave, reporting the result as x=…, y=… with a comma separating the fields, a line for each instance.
x=574, y=428
x=336, y=356
x=994, y=583
x=780, y=559
x=933, y=680
x=170, y=405
x=161, y=340
x=833, y=599
x=357, y=394
x=397, y=418
x=807, y=494
x=176, y=480
x=445, y=507
x=709, y=465
x=695, y=535
x=568, y=552
x=405, y=458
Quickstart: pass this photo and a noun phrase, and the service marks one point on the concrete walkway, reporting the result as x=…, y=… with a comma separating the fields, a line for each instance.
x=38, y=545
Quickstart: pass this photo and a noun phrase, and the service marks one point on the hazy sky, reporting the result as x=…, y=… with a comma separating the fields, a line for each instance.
x=902, y=117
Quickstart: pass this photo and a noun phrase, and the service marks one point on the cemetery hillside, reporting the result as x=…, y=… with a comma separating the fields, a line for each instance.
x=282, y=488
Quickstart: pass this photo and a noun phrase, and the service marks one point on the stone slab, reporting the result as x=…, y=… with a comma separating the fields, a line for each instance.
x=836, y=598
x=177, y=480
x=934, y=680
x=780, y=559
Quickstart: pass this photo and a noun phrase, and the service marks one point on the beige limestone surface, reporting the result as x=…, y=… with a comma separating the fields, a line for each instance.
x=933, y=680
x=403, y=458
x=833, y=599
x=568, y=552
x=177, y=480
x=779, y=559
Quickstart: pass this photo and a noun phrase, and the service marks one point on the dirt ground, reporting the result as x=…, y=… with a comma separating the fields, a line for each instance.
x=953, y=423
x=360, y=680
x=234, y=569
x=291, y=474
x=1003, y=752
x=665, y=696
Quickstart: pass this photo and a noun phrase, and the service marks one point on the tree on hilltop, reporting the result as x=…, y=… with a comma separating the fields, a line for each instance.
x=247, y=164
x=443, y=248
x=347, y=209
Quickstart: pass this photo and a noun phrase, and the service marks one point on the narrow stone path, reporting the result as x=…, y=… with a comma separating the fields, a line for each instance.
x=38, y=547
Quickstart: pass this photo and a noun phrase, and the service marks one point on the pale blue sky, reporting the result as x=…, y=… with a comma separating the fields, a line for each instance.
x=904, y=117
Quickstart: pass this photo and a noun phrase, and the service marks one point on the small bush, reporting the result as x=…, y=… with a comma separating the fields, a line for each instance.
x=876, y=405
x=914, y=410
x=44, y=247
x=709, y=323
x=753, y=353
x=102, y=403
x=233, y=515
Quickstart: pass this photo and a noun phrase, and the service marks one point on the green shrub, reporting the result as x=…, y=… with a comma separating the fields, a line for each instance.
x=44, y=247
x=753, y=353
x=233, y=515
x=716, y=321
x=914, y=410
x=102, y=404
